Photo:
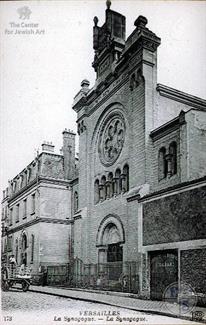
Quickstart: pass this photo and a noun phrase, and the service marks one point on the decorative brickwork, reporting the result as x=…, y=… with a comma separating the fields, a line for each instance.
x=111, y=139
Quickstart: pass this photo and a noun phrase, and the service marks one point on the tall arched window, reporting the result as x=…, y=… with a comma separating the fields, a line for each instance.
x=110, y=191
x=32, y=248
x=126, y=177
x=162, y=164
x=103, y=187
x=173, y=157
x=118, y=181
x=76, y=201
x=96, y=191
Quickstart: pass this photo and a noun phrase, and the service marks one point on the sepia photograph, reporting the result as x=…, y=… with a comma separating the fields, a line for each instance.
x=103, y=162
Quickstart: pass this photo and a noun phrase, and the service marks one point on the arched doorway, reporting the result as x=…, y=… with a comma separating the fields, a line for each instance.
x=110, y=240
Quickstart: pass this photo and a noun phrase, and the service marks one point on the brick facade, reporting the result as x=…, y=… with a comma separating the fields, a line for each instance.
x=155, y=118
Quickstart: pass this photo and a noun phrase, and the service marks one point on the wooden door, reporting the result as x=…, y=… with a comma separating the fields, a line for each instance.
x=163, y=272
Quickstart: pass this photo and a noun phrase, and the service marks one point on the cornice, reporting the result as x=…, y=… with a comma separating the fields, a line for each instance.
x=201, y=182
x=5, y=199
x=181, y=97
x=133, y=198
x=38, y=220
x=23, y=190
x=168, y=127
x=36, y=182
x=77, y=215
x=54, y=181
x=105, y=94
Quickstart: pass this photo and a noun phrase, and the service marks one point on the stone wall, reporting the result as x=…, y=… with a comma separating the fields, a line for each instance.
x=193, y=268
x=178, y=217
x=196, y=144
x=54, y=251
x=54, y=201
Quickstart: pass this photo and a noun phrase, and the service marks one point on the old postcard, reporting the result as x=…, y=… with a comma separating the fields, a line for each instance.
x=103, y=173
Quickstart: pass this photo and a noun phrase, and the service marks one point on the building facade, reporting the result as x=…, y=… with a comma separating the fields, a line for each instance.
x=37, y=211
x=133, y=217
x=140, y=223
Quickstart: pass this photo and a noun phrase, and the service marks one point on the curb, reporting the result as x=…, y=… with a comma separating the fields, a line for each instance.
x=152, y=312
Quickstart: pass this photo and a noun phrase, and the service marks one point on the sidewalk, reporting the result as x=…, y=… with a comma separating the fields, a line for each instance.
x=120, y=299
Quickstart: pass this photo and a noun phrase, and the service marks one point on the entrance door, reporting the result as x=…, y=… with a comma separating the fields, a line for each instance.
x=114, y=261
x=163, y=272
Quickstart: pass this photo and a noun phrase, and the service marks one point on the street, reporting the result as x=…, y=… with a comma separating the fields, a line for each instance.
x=31, y=308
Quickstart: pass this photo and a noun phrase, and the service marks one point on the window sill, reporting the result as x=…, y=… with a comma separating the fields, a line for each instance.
x=32, y=213
x=24, y=217
x=17, y=221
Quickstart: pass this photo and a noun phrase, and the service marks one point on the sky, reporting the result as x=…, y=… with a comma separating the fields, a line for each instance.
x=41, y=73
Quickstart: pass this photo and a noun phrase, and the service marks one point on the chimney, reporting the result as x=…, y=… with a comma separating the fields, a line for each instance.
x=69, y=153
x=47, y=146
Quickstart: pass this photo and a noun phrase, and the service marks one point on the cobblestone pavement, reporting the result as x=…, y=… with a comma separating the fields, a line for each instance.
x=30, y=308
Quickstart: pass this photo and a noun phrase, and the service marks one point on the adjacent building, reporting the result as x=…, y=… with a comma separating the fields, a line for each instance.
x=36, y=211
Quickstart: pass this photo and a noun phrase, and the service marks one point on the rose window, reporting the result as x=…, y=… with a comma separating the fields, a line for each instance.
x=111, y=140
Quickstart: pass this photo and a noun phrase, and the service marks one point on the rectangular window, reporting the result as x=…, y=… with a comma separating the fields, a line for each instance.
x=17, y=213
x=32, y=248
x=9, y=246
x=11, y=217
x=25, y=209
x=33, y=203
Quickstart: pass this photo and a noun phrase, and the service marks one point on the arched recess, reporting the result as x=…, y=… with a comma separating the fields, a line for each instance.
x=110, y=231
x=110, y=239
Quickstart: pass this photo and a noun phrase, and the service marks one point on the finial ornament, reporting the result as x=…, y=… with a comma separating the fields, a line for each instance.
x=96, y=21
x=108, y=4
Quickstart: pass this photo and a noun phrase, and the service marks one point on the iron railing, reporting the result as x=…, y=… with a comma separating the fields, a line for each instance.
x=116, y=276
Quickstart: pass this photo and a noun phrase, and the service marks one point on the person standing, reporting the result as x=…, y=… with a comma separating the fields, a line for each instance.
x=12, y=263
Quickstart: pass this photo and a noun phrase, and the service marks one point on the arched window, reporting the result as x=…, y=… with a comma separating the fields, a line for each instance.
x=32, y=248
x=126, y=178
x=162, y=164
x=118, y=181
x=96, y=191
x=76, y=201
x=110, y=186
x=173, y=157
x=103, y=188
